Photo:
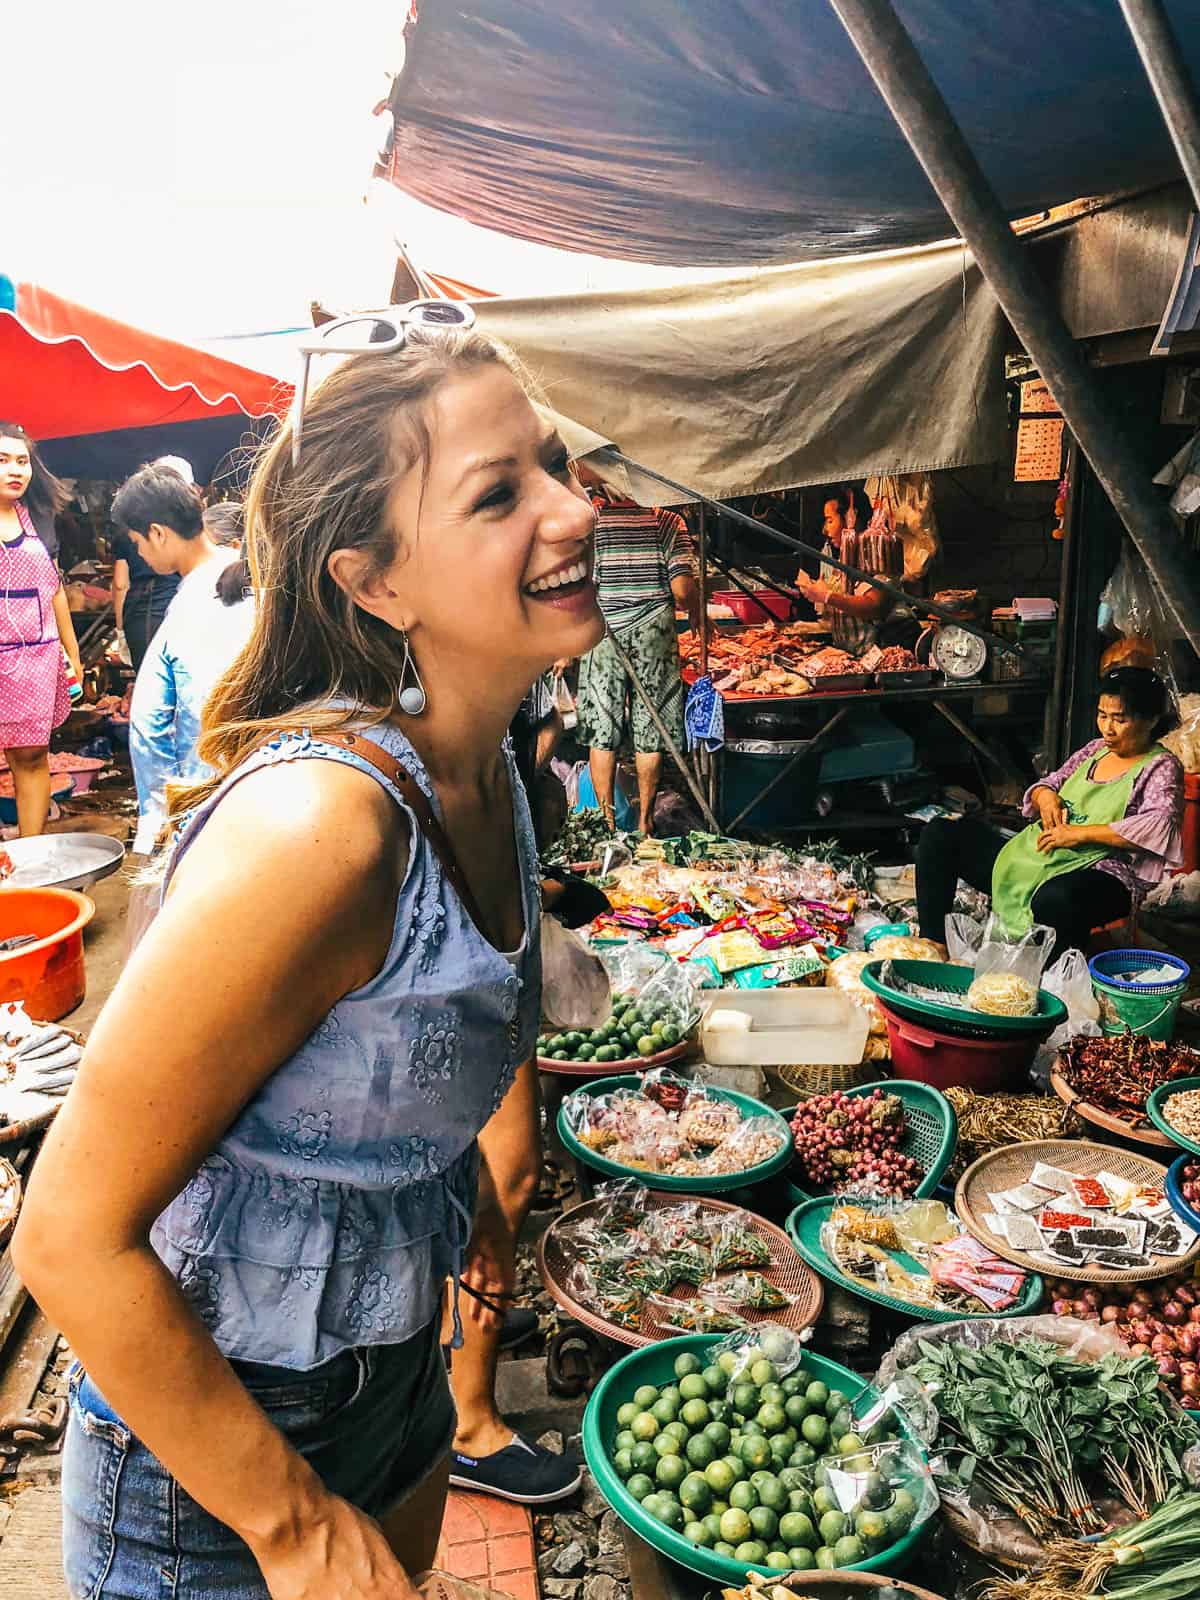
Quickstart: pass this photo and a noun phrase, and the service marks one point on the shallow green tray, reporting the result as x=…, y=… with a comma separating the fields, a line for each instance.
x=656, y=1364
x=1154, y=1110
x=661, y=1180
x=1051, y=1012
x=804, y=1230
x=930, y=1134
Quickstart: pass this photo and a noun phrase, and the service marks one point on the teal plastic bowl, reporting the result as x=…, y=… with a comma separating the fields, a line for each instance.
x=930, y=1133
x=661, y=1180
x=656, y=1364
x=804, y=1230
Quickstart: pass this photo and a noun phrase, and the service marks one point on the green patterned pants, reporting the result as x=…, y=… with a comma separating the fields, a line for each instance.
x=608, y=702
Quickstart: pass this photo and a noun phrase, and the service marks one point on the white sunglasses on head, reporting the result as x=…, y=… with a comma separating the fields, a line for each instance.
x=376, y=335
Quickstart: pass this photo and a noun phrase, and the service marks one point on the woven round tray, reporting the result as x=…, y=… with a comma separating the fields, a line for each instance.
x=1010, y=1166
x=612, y=1069
x=10, y=1199
x=786, y=1272
x=1142, y=1132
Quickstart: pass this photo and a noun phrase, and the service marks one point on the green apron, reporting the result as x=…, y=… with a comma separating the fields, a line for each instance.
x=1020, y=869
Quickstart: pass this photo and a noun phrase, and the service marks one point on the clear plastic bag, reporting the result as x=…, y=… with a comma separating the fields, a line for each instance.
x=964, y=936
x=769, y=1342
x=1008, y=971
x=1071, y=982
x=694, y=1315
x=748, y=1291
x=735, y=1244
x=575, y=987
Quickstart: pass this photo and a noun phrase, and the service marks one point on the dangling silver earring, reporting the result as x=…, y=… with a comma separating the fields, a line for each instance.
x=413, y=699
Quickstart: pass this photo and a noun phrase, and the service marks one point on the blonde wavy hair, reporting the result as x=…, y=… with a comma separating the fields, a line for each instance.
x=365, y=426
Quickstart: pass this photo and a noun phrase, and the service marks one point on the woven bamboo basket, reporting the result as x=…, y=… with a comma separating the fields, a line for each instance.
x=804, y=1081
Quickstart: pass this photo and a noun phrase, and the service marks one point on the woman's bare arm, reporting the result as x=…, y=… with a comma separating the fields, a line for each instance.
x=284, y=904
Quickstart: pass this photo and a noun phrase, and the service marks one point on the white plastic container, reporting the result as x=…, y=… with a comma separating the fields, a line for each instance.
x=788, y=1027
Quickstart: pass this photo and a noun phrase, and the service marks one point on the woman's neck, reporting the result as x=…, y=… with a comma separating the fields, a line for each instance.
x=11, y=526
x=458, y=736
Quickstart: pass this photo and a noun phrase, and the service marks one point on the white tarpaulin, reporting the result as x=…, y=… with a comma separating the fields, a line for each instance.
x=890, y=363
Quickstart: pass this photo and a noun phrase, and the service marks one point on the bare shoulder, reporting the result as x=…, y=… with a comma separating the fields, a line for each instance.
x=313, y=820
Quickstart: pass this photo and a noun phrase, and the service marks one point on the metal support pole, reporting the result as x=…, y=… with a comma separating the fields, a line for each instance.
x=703, y=586
x=1171, y=81
x=677, y=755
x=923, y=116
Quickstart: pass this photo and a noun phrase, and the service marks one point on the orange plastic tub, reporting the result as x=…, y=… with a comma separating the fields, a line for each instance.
x=49, y=975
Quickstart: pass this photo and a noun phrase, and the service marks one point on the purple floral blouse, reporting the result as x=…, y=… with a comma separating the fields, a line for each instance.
x=1152, y=822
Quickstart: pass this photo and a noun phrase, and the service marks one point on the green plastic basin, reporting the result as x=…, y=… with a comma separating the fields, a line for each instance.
x=656, y=1364
x=952, y=980
x=748, y=1107
x=804, y=1230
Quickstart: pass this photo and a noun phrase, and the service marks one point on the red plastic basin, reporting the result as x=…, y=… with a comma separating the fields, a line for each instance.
x=748, y=610
x=49, y=975
x=946, y=1062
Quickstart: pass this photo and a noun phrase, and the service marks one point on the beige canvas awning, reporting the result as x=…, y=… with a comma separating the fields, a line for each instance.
x=807, y=374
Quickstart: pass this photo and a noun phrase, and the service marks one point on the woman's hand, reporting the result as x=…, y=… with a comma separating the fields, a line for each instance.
x=1050, y=808
x=1064, y=836
x=343, y=1555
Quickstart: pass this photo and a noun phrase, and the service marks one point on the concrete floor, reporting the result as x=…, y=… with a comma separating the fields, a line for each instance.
x=104, y=947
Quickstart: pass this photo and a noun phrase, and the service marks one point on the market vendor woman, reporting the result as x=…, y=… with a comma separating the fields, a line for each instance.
x=1105, y=828
x=854, y=609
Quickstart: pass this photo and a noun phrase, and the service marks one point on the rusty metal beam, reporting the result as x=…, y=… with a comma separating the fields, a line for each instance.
x=927, y=123
x=1171, y=81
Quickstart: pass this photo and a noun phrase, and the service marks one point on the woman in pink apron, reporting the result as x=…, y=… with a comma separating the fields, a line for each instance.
x=35, y=627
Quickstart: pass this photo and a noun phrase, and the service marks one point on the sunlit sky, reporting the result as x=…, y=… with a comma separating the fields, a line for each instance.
x=202, y=170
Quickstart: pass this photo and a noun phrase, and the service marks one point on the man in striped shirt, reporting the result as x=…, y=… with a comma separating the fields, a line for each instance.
x=644, y=567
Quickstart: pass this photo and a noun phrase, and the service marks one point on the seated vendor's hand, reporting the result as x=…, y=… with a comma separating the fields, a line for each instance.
x=812, y=589
x=1050, y=808
x=1066, y=836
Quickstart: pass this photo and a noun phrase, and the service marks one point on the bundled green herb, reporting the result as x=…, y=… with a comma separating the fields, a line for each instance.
x=1157, y=1559
x=1044, y=1434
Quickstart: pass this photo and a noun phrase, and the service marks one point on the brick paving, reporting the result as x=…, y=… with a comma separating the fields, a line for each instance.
x=489, y=1542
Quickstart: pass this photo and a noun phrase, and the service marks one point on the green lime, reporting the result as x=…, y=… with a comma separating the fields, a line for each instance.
x=695, y=1494
x=700, y=1451
x=720, y=1410
x=871, y=1527
x=666, y=1444
x=765, y=1522
x=849, y=1444
x=559, y=1055
x=728, y=1362
x=779, y=1346
x=826, y=1560
x=597, y=1037
x=640, y=1486
x=670, y=1034
x=801, y=1500
x=803, y=1455
x=802, y=1559
x=773, y=1495
x=817, y=1395
x=623, y=1463
x=795, y=1408
x=647, y=1045
x=664, y=1411
x=725, y=1549
x=671, y=1393
x=815, y=1430
x=824, y=1500
x=644, y=1425
x=644, y=1455
x=543, y=1043
x=821, y=1474
x=764, y=1372
x=678, y=1431
x=712, y=1526
x=671, y=1513
x=627, y=1412
x=771, y=1394
x=833, y=1526
x=719, y=1508
x=694, y=1413
x=735, y=1526
x=719, y=1476
x=771, y=1418
x=687, y=1364
x=743, y=1495
x=752, y=1551
x=848, y=1552
x=875, y=1492
x=796, y=1528
x=718, y=1433
x=586, y=1052
x=903, y=1501
x=625, y=1440
x=573, y=1039
x=755, y=1452
x=645, y=1396
x=738, y=1467
x=557, y=1042
x=753, y=1429
x=716, y=1379
x=793, y=1384
x=692, y=1386
x=670, y=1472
x=792, y=1478
x=695, y=1533
x=779, y=1561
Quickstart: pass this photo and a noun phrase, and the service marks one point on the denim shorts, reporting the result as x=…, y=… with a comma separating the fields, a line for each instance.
x=373, y=1422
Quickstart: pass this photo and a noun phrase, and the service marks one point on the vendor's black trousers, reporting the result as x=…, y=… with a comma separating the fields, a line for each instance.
x=1072, y=905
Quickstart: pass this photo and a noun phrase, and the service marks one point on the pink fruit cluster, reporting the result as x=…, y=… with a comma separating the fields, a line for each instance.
x=848, y=1141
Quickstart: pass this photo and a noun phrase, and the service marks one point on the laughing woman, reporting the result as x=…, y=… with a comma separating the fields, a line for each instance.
x=267, y=1169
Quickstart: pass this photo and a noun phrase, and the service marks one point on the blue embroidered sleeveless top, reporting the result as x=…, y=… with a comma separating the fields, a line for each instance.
x=334, y=1209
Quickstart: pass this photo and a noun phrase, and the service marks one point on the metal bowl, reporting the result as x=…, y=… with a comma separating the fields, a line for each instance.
x=62, y=860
